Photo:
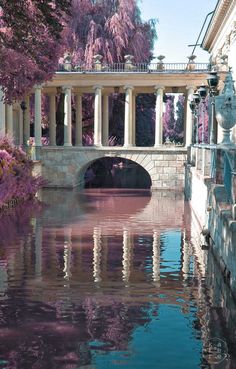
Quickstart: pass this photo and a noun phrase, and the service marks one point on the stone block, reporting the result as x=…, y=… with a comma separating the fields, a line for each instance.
x=169, y=170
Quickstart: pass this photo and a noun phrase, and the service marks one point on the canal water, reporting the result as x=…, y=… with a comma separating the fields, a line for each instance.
x=106, y=279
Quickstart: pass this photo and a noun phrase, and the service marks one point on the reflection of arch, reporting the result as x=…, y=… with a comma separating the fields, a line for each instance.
x=118, y=172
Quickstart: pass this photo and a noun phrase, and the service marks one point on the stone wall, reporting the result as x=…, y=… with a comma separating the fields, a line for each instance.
x=211, y=211
x=64, y=167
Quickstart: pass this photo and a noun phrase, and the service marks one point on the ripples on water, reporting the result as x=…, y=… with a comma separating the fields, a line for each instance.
x=110, y=279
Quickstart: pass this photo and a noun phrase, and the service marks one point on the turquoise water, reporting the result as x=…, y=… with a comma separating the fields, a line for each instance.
x=107, y=279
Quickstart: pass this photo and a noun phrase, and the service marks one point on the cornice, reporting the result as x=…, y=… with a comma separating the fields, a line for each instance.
x=221, y=15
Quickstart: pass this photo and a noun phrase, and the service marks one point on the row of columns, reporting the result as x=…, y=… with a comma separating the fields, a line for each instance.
x=101, y=117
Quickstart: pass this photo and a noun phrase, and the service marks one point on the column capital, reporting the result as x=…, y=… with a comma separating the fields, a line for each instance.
x=128, y=87
x=66, y=87
x=159, y=87
x=98, y=87
x=37, y=87
x=190, y=87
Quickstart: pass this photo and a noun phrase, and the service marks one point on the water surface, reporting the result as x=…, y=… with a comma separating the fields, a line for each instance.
x=110, y=279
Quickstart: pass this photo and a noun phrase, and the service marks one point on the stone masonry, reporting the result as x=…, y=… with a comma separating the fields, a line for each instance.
x=65, y=166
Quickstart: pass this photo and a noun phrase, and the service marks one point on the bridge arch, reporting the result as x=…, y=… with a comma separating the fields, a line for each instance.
x=120, y=162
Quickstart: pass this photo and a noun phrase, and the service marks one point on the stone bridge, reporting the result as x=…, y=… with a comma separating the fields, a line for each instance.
x=65, y=167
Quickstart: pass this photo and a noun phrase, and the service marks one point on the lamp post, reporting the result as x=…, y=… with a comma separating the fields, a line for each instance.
x=213, y=81
x=23, y=108
x=203, y=93
x=194, y=104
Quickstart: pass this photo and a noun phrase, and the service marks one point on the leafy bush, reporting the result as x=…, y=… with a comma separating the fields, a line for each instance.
x=16, y=179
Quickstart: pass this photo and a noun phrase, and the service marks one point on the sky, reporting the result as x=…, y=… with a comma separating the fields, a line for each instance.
x=179, y=24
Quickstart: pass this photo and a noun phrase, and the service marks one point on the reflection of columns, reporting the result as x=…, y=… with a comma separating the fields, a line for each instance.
x=67, y=116
x=97, y=248
x=3, y=280
x=67, y=253
x=2, y=113
x=134, y=120
x=26, y=121
x=128, y=116
x=10, y=119
x=186, y=259
x=156, y=258
x=37, y=116
x=105, y=126
x=78, y=120
x=98, y=116
x=126, y=256
x=188, y=134
x=52, y=119
x=38, y=250
x=159, y=113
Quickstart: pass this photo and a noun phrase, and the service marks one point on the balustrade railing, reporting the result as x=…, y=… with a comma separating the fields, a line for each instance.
x=220, y=166
x=137, y=68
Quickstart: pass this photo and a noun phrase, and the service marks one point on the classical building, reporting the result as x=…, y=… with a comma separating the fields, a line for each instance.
x=220, y=39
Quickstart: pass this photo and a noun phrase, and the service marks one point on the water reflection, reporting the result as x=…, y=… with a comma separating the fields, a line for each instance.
x=107, y=279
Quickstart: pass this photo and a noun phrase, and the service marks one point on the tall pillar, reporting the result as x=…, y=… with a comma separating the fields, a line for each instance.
x=105, y=126
x=128, y=131
x=188, y=134
x=159, y=113
x=67, y=116
x=97, y=249
x=2, y=113
x=52, y=118
x=156, y=258
x=78, y=120
x=26, y=121
x=98, y=116
x=10, y=119
x=21, y=125
x=38, y=116
x=134, y=120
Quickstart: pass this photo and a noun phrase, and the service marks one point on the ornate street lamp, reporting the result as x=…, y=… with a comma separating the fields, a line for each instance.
x=225, y=105
x=213, y=81
x=203, y=90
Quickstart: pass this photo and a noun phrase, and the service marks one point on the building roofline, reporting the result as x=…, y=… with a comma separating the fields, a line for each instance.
x=218, y=19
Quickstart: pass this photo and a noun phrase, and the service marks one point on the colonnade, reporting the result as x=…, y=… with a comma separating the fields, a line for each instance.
x=101, y=116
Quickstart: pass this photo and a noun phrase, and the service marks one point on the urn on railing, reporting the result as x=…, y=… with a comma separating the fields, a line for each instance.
x=67, y=62
x=97, y=62
x=160, y=64
x=225, y=106
x=129, y=62
x=191, y=62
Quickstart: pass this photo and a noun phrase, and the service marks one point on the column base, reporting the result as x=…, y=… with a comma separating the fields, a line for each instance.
x=67, y=144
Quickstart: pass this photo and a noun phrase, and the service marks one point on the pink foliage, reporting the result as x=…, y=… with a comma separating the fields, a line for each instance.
x=16, y=180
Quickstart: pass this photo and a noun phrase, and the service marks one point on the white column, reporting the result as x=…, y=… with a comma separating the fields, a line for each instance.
x=126, y=256
x=98, y=116
x=26, y=121
x=38, y=116
x=188, y=134
x=134, y=120
x=128, y=116
x=2, y=113
x=156, y=258
x=78, y=122
x=10, y=119
x=97, y=248
x=105, y=125
x=67, y=116
x=52, y=119
x=159, y=113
